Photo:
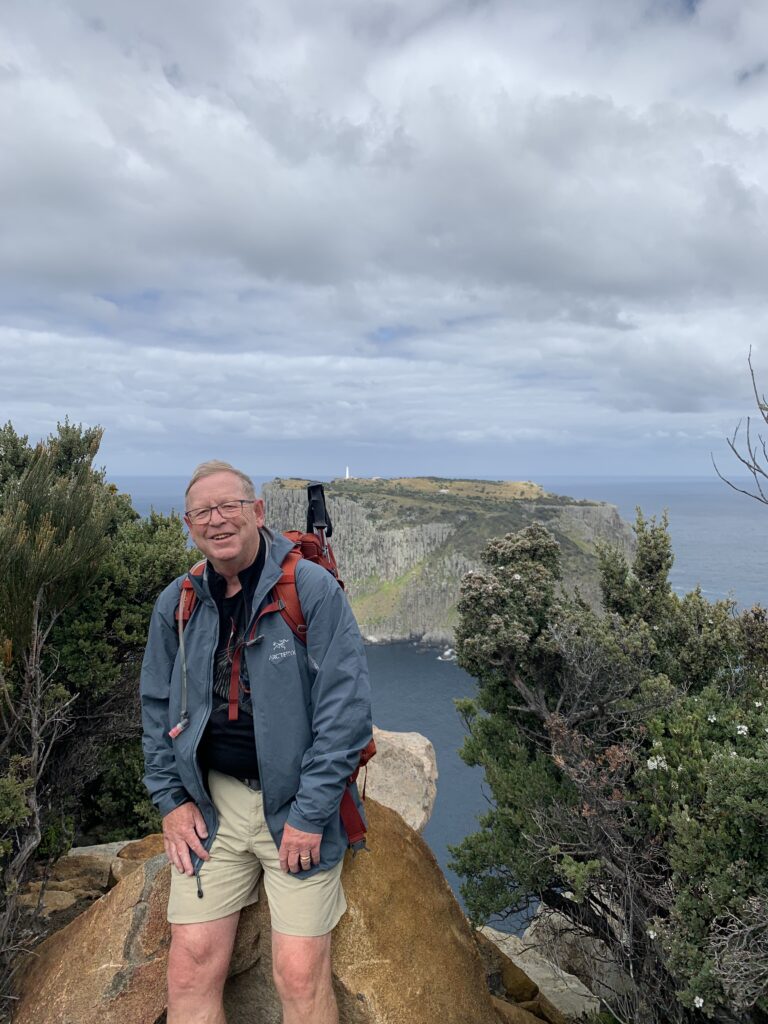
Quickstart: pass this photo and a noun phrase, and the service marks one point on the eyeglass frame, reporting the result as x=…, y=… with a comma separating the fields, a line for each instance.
x=218, y=508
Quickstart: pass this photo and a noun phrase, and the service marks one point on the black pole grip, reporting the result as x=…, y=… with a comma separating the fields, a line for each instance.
x=317, y=512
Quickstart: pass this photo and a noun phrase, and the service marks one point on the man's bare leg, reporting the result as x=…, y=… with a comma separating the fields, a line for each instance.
x=302, y=972
x=198, y=962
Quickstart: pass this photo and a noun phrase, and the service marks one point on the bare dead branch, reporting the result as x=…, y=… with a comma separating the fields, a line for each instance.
x=754, y=457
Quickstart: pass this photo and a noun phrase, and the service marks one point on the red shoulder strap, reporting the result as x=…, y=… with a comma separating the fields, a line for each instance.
x=287, y=596
x=188, y=597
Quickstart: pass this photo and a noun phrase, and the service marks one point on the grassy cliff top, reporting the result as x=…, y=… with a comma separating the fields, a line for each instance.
x=500, y=490
x=414, y=500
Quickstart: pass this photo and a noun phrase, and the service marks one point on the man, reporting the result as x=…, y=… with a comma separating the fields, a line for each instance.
x=250, y=737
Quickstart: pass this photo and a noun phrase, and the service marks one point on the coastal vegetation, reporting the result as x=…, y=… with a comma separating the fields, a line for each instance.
x=623, y=729
x=79, y=574
x=626, y=754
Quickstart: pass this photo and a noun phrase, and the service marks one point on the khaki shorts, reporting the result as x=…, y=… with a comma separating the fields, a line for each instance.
x=242, y=849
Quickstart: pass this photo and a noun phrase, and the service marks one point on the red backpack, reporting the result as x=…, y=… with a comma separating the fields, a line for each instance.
x=285, y=600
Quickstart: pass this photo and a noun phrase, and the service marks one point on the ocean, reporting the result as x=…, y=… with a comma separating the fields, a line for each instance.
x=718, y=536
x=718, y=541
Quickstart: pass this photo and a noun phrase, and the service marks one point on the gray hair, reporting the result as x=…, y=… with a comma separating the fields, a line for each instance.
x=217, y=466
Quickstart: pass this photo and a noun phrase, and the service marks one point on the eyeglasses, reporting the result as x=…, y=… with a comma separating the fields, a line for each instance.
x=226, y=509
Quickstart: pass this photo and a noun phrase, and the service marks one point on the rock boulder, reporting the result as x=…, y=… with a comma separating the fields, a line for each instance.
x=404, y=951
x=403, y=775
x=75, y=881
x=555, y=937
x=561, y=997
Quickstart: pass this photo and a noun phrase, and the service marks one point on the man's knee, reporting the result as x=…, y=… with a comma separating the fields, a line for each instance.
x=198, y=959
x=301, y=965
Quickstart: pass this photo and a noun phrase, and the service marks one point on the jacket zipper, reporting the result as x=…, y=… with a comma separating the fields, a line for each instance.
x=209, y=840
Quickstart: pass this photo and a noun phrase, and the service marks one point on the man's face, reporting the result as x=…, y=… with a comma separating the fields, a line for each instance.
x=230, y=544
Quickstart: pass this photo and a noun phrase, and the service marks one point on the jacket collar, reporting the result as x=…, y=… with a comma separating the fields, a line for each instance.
x=277, y=547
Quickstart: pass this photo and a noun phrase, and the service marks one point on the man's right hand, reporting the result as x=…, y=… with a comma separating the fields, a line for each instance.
x=183, y=828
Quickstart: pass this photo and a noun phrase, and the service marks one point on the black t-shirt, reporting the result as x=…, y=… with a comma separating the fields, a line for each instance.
x=230, y=747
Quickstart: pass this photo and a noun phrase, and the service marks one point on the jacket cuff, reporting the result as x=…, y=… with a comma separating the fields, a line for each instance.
x=170, y=801
x=297, y=820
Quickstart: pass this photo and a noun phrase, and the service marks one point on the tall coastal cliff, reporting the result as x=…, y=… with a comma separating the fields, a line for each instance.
x=403, y=545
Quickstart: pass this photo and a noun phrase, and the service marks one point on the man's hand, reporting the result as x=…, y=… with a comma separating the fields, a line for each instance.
x=299, y=850
x=183, y=828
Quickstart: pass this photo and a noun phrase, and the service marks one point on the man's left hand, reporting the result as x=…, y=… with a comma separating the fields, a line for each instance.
x=299, y=850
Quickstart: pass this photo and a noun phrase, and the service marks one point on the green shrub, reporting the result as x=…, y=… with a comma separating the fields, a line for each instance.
x=79, y=574
x=116, y=804
x=627, y=756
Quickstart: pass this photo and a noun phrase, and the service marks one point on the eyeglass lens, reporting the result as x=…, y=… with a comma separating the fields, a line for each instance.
x=227, y=509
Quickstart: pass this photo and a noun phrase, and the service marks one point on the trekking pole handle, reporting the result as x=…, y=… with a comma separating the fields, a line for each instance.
x=317, y=511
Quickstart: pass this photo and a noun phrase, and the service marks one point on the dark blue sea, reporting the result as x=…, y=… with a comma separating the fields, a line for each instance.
x=718, y=539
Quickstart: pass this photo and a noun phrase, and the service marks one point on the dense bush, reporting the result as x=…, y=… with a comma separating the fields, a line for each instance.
x=79, y=573
x=627, y=759
x=115, y=804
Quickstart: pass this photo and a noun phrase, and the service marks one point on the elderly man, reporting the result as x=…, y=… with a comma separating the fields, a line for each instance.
x=250, y=737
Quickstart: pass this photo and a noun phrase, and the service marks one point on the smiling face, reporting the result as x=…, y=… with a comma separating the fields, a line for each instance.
x=230, y=544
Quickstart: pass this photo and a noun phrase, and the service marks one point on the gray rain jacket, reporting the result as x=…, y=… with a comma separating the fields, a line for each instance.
x=311, y=706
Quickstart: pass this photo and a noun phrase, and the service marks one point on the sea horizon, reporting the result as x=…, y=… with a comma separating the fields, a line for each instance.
x=717, y=533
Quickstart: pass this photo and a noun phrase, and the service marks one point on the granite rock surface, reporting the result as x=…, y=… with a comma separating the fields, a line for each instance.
x=108, y=966
x=403, y=775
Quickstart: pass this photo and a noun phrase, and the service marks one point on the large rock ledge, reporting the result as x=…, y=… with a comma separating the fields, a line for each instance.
x=403, y=952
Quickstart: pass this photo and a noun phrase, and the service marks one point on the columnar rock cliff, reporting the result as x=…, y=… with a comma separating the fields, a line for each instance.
x=404, y=545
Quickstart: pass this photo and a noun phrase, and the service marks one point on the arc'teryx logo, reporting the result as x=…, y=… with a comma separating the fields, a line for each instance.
x=281, y=650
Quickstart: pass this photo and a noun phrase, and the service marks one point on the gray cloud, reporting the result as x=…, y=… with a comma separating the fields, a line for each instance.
x=540, y=226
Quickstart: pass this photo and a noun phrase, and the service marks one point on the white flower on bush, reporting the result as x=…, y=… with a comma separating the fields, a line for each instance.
x=652, y=934
x=742, y=730
x=655, y=763
x=711, y=718
x=733, y=753
x=758, y=703
x=698, y=1002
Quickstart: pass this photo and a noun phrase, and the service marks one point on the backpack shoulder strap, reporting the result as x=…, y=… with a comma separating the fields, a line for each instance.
x=287, y=596
x=187, y=595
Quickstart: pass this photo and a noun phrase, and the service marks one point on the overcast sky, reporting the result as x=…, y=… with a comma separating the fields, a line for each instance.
x=464, y=238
